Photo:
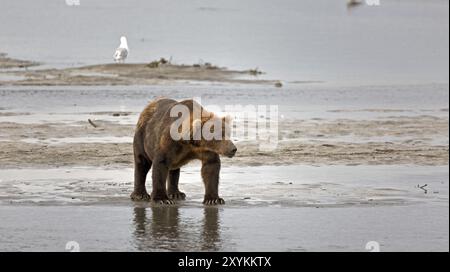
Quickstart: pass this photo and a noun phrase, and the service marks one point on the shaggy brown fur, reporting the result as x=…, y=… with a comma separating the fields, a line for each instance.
x=154, y=146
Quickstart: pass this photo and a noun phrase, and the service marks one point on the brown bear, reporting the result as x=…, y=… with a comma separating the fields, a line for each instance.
x=167, y=141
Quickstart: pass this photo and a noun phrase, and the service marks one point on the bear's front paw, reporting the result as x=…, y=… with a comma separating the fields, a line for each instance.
x=214, y=201
x=177, y=196
x=162, y=199
x=140, y=196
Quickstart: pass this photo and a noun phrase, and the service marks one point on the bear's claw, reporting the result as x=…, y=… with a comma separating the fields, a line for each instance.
x=140, y=196
x=216, y=201
x=178, y=196
x=163, y=201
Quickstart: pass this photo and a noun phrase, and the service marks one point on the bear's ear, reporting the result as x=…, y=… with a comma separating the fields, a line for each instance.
x=227, y=119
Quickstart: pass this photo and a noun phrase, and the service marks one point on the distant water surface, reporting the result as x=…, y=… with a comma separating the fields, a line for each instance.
x=396, y=42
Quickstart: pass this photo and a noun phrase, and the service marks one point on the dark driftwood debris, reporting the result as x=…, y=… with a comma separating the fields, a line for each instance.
x=92, y=123
x=423, y=188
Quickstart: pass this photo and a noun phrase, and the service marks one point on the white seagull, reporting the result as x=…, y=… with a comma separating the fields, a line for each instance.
x=122, y=51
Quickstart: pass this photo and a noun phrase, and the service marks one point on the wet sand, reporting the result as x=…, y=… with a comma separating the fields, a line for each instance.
x=261, y=186
x=393, y=140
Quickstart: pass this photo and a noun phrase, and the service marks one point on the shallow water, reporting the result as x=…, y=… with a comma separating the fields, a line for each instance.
x=225, y=229
x=68, y=104
x=398, y=41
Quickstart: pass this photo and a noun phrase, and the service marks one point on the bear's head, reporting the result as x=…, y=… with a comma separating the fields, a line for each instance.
x=212, y=133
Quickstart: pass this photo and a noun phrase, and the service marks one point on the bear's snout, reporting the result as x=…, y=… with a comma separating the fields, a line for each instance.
x=231, y=150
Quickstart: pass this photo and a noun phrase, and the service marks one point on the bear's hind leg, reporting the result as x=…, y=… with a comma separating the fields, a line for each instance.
x=141, y=168
x=172, y=185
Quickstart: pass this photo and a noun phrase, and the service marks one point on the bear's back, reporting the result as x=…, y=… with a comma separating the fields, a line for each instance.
x=157, y=108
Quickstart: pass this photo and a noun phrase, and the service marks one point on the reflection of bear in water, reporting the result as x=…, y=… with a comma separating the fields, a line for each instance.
x=165, y=229
x=154, y=146
x=211, y=230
